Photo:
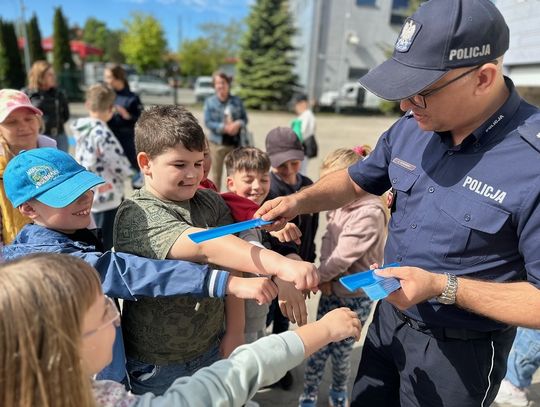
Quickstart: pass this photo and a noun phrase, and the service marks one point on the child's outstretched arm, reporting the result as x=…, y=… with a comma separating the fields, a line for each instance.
x=233, y=381
x=338, y=324
x=234, y=253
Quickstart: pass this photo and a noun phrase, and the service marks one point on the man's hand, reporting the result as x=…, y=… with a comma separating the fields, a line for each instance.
x=291, y=302
x=280, y=210
x=417, y=285
x=302, y=274
x=261, y=289
x=290, y=233
x=229, y=342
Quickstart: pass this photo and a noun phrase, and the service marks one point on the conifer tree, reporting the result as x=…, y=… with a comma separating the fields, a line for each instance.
x=12, y=73
x=34, y=40
x=265, y=69
x=62, y=59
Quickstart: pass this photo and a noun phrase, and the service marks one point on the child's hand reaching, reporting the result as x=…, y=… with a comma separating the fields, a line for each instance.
x=261, y=289
x=302, y=274
x=291, y=302
x=342, y=323
x=289, y=233
x=337, y=325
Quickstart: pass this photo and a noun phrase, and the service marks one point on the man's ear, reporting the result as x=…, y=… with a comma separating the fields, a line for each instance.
x=28, y=210
x=144, y=163
x=486, y=77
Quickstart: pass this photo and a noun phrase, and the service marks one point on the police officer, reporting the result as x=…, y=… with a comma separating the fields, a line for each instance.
x=463, y=164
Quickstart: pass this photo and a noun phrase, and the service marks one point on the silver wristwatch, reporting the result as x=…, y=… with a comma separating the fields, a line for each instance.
x=448, y=296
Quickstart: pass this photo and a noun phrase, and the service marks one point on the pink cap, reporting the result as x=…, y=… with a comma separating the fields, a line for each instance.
x=11, y=99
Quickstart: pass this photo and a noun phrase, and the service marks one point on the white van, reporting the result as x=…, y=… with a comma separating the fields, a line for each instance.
x=203, y=88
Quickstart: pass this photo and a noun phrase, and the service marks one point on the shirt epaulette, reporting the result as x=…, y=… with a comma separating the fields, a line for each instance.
x=530, y=132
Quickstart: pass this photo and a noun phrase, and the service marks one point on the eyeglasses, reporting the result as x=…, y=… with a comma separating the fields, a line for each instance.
x=112, y=316
x=419, y=100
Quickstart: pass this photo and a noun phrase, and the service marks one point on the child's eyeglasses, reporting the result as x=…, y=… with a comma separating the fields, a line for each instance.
x=112, y=316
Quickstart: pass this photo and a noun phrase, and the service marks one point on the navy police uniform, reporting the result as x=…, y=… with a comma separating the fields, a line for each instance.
x=471, y=210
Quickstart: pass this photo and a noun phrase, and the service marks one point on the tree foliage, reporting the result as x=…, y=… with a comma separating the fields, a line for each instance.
x=62, y=58
x=34, y=40
x=265, y=70
x=11, y=66
x=198, y=58
x=203, y=55
x=143, y=43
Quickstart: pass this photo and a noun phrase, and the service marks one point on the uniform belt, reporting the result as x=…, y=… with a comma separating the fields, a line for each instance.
x=444, y=333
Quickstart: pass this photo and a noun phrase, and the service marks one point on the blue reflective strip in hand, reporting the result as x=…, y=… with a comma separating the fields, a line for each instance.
x=199, y=237
x=376, y=287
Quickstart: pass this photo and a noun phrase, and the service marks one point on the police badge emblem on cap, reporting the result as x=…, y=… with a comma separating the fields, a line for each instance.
x=406, y=37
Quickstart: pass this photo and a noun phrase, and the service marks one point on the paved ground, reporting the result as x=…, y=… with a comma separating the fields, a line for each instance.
x=333, y=131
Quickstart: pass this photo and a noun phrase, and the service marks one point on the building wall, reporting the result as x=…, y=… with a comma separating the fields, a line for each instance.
x=339, y=40
x=522, y=60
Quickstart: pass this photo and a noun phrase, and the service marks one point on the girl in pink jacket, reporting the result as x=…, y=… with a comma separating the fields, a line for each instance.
x=354, y=239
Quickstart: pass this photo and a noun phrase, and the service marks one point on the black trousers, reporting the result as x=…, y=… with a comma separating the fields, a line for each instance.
x=406, y=364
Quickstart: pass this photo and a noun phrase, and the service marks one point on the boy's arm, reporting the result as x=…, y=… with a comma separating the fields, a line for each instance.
x=129, y=277
x=235, y=322
x=234, y=253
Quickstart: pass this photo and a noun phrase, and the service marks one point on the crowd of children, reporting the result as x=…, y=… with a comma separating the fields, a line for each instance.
x=185, y=306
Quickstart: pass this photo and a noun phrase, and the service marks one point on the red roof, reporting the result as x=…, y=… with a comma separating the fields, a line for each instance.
x=81, y=48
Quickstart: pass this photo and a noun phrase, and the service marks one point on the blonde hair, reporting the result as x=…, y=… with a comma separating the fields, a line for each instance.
x=99, y=98
x=343, y=158
x=43, y=300
x=37, y=73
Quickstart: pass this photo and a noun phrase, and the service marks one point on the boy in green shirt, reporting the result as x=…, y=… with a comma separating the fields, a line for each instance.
x=169, y=338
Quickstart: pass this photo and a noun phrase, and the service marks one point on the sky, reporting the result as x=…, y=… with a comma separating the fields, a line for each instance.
x=179, y=18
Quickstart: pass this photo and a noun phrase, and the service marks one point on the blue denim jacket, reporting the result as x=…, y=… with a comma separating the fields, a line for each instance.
x=214, y=114
x=124, y=275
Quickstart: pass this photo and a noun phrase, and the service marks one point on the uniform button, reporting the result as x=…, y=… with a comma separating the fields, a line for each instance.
x=413, y=226
x=431, y=190
x=467, y=217
x=399, y=258
x=477, y=145
x=450, y=153
x=394, y=180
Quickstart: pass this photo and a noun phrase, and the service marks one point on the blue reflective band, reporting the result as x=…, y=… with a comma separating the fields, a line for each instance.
x=199, y=237
x=376, y=287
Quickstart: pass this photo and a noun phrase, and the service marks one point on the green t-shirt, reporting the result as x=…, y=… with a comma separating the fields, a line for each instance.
x=168, y=329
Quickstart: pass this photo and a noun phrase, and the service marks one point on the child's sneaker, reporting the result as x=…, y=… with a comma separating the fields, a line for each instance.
x=338, y=398
x=307, y=401
x=512, y=395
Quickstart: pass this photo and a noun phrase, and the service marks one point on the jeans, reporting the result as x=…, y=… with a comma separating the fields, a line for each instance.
x=150, y=378
x=524, y=357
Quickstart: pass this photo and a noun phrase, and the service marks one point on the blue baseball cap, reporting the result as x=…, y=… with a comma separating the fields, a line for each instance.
x=49, y=175
x=441, y=35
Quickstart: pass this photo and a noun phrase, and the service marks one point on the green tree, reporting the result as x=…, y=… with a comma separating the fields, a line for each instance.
x=12, y=73
x=34, y=40
x=197, y=58
x=62, y=58
x=265, y=70
x=143, y=43
x=95, y=33
x=224, y=39
x=112, y=47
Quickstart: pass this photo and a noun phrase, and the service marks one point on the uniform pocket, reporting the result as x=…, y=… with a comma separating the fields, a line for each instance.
x=402, y=182
x=461, y=232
